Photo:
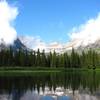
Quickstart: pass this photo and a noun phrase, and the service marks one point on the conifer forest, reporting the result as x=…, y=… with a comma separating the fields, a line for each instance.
x=73, y=59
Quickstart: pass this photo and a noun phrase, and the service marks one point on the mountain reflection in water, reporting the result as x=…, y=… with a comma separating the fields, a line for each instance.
x=51, y=86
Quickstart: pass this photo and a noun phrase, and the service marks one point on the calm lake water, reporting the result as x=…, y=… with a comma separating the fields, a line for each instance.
x=74, y=85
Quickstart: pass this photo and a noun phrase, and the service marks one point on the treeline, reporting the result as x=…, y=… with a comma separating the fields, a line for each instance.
x=89, y=59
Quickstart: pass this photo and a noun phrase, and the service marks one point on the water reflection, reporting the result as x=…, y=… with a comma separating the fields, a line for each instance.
x=51, y=86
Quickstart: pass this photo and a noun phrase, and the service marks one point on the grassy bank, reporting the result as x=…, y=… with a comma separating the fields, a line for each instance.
x=25, y=71
x=38, y=69
x=41, y=69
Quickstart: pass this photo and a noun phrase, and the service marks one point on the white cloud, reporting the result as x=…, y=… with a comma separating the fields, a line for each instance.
x=36, y=43
x=88, y=32
x=8, y=14
x=33, y=42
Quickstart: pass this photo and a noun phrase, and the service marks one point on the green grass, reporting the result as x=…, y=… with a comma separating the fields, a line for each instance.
x=22, y=71
x=10, y=71
x=3, y=68
x=39, y=69
x=29, y=71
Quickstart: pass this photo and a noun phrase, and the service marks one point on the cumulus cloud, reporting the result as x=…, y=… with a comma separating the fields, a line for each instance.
x=8, y=14
x=88, y=32
x=33, y=42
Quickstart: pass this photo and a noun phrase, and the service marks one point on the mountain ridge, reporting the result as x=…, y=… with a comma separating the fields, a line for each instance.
x=18, y=44
x=60, y=47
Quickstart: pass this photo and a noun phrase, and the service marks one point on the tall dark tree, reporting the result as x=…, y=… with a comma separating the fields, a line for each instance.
x=53, y=59
x=38, y=58
x=43, y=59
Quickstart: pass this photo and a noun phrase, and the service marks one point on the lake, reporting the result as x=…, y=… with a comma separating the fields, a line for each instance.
x=70, y=85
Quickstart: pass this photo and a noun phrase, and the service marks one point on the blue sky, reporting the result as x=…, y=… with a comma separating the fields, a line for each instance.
x=52, y=20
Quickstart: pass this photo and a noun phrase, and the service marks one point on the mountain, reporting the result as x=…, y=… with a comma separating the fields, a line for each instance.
x=33, y=43
x=36, y=43
x=79, y=44
x=96, y=44
x=17, y=45
x=27, y=43
x=3, y=45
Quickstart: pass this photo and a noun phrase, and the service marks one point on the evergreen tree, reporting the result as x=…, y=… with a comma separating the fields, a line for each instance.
x=53, y=59
x=43, y=59
x=61, y=61
x=8, y=57
x=38, y=58
x=49, y=57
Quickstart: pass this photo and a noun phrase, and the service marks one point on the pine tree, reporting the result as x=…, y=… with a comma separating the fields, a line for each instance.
x=43, y=59
x=38, y=58
x=61, y=61
x=53, y=59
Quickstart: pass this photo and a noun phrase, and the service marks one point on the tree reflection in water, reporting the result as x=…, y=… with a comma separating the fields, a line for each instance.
x=51, y=86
